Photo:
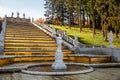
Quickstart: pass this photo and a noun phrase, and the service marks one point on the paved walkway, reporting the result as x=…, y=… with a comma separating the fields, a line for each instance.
x=98, y=74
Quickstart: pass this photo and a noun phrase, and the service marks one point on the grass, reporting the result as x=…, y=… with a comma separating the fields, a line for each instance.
x=86, y=36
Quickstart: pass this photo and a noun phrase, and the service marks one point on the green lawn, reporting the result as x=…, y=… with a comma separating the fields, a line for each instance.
x=86, y=36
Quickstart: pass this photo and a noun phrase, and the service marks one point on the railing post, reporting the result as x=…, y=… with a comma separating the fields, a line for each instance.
x=53, y=32
x=75, y=41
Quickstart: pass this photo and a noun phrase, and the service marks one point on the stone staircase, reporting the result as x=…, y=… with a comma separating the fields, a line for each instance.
x=28, y=40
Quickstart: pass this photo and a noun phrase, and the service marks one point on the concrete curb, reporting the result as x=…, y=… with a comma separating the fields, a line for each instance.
x=23, y=68
x=58, y=73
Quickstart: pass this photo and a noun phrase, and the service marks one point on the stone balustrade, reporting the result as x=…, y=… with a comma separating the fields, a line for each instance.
x=18, y=20
x=66, y=37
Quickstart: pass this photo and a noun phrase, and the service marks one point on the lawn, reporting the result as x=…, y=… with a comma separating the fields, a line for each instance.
x=86, y=36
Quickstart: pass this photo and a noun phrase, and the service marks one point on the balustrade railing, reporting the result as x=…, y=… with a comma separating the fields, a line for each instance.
x=55, y=32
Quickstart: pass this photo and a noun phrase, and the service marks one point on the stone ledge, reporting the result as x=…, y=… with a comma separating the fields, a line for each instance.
x=105, y=65
x=16, y=68
x=57, y=73
x=69, y=55
x=11, y=69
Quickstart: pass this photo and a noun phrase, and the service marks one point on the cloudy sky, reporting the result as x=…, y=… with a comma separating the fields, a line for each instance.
x=31, y=8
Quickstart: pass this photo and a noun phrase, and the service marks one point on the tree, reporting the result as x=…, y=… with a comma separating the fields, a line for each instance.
x=108, y=11
x=114, y=13
x=70, y=5
x=92, y=13
x=40, y=20
x=80, y=11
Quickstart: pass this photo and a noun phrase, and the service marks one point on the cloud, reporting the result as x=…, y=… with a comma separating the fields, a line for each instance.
x=3, y=11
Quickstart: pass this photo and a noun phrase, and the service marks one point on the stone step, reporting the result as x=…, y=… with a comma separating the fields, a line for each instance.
x=19, y=41
x=22, y=38
x=30, y=48
x=34, y=53
x=27, y=33
x=29, y=40
x=26, y=36
x=19, y=47
x=31, y=44
x=21, y=32
x=24, y=30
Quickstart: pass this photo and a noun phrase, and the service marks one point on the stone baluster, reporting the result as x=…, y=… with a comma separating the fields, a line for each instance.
x=17, y=14
x=75, y=41
x=24, y=15
x=12, y=15
x=53, y=32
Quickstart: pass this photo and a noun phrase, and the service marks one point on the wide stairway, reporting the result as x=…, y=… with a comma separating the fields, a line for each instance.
x=28, y=40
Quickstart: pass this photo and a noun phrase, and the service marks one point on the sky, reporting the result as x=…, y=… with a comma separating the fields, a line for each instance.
x=31, y=8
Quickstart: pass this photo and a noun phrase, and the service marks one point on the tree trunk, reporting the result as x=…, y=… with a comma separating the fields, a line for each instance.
x=83, y=22
x=62, y=13
x=106, y=35
x=80, y=21
x=89, y=22
x=116, y=34
x=93, y=23
x=70, y=19
x=103, y=31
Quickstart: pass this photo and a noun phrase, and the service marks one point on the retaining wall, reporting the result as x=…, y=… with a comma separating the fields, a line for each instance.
x=114, y=52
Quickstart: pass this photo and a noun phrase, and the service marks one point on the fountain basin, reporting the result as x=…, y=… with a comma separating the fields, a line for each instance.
x=46, y=69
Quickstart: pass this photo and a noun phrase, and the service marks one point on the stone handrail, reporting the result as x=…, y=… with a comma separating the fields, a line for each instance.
x=55, y=32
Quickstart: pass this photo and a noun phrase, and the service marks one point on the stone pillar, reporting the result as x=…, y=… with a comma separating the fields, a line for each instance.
x=12, y=14
x=17, y=14
x=76, y=48
x=53, y=32
x=32, y=19
x=75, y=41
x=24, y=15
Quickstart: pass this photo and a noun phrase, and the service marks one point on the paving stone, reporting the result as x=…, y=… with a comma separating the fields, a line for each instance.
x=98, y=74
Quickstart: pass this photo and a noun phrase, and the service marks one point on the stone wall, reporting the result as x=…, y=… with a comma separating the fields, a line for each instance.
x=114, y=52
x=2, y=35
x=95, y=51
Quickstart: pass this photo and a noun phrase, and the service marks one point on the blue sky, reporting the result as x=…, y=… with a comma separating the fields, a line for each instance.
x=31, y=8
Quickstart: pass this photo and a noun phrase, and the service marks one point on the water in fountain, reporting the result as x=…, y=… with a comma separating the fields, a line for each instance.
x=59, y=64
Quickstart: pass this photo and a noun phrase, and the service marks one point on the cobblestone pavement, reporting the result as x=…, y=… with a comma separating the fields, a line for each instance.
x=98, y=74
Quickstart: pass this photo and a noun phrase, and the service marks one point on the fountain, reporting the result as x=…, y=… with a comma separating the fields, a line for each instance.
x=58, y=67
